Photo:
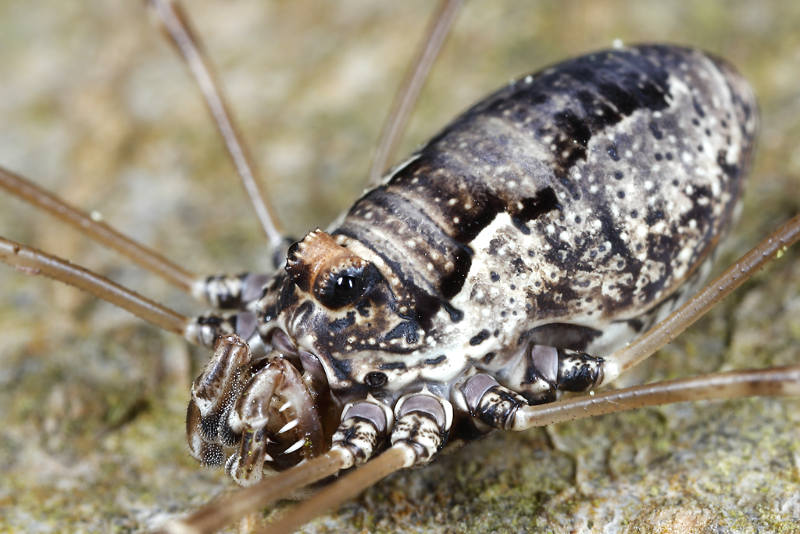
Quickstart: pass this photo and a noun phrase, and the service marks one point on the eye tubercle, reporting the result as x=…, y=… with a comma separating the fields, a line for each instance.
x=316, y=256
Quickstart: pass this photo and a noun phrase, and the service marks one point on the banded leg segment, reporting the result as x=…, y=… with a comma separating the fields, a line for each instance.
x=487, y=401
x=539, y=372
x=535, y=378
x=206, y=329
x=422, y=423
x=230, y=292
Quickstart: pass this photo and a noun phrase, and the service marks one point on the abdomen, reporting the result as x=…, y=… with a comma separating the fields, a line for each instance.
x=586, y=193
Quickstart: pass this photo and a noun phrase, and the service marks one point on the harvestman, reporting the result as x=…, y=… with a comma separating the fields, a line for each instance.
x=782, y=381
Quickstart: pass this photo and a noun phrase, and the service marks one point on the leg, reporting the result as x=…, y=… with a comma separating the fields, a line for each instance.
x=499, y=407
x=97, y=230
x=778, y=381
x=538, y=372
x=221, y=291
x=487, y=401
x=230, y=292
x=176, y=26
x=205, y=330
x=36, y=262
x=406, y=97
x=420, y=430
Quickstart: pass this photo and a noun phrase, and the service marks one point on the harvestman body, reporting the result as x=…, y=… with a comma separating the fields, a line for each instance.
x=498, y=267
x=545, y=226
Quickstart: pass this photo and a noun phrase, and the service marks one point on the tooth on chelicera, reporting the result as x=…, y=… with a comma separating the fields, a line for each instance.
x=299, y=443
x=288, y=426
x=285, y=406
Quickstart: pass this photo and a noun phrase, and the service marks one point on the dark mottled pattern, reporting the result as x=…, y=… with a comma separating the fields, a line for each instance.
x=619, y=171
x=569, y=208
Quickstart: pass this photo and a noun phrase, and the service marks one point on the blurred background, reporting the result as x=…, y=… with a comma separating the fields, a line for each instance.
x=96, y=106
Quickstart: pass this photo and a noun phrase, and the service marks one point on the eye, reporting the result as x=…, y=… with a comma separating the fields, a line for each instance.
x=346, y=289
x=343, y=287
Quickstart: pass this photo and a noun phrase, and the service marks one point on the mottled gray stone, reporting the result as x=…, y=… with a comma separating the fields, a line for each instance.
x=95, y=106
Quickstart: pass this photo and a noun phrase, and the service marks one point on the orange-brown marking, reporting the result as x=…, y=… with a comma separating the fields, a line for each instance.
x=316, y=256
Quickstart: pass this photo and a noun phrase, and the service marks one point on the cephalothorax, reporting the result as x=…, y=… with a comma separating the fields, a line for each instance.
x=540, y=231
x=498, y=267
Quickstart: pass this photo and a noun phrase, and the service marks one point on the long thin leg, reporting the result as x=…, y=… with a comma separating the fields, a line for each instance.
x=97, y=230
x=225, y=509
x=362, y=428
x=783, y=381
x=33, y=261
x=778, y=381
x=423, y=421
x=177, y=26
x=345, y=488
x=407, y=95
x=671, y=327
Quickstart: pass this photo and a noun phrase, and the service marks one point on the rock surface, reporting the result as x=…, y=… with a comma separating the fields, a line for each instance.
x=95, y=106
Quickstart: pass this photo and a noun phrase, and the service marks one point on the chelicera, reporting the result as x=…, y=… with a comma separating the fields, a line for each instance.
x=378, y=379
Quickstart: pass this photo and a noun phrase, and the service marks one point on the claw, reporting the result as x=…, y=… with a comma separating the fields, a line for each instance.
x=246, y=467
x=275, y=416
x=263, y=408
x=250, y=417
